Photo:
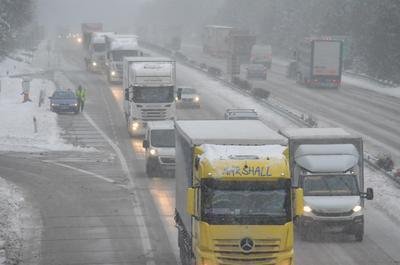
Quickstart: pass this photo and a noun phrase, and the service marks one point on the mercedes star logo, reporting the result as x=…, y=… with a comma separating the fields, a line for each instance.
x=246, y=244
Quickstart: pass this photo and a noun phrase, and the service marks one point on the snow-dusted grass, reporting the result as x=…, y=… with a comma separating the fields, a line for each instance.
x=16, y=119
x=11, y=203
x=371, y=85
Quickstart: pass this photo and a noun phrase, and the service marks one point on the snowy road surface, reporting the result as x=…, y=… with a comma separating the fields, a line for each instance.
x=90, y=207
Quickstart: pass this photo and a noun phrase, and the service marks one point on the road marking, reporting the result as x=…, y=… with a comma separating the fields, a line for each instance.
x=80, y=170
x=137, y=209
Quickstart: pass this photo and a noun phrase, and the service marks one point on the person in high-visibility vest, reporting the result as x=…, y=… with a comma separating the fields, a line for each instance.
x=81, y=95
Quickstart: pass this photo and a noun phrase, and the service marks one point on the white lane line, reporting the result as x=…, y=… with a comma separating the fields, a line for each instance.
x=137, y=209
x=80, y=170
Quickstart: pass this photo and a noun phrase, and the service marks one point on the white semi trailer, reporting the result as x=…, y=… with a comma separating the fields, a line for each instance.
x=118, y=47
x=149, y=84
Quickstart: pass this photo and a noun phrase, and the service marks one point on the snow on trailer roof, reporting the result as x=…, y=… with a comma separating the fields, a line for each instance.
x=123, y=42
x=214, y=152
x=150, y=68
x=161, y=125
x=148, y=59
x=228, y=132
x=316, y=133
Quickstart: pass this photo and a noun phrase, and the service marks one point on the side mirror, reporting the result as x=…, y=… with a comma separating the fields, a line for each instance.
x=127, y=94
x=369, y=195
x=146, y=144
x=191, y=202
x=299, y=202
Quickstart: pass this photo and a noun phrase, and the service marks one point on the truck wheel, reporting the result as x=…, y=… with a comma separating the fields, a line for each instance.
x=151, y=170
x=359, y=236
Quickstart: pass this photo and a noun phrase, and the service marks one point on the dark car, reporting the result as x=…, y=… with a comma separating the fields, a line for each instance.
x=256, y=71
x=64, y=101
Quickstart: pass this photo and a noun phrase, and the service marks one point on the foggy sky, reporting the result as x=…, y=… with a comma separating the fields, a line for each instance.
x=116, y=15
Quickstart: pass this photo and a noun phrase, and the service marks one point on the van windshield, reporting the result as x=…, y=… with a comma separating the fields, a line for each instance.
x=163, y=138
x=330, y=185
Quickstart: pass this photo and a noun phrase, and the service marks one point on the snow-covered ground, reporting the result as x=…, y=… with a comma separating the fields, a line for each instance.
x=17, y=127
x=11, y=234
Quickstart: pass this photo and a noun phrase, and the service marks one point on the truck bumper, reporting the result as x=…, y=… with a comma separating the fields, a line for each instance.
x=334, y=225
x=164, y=166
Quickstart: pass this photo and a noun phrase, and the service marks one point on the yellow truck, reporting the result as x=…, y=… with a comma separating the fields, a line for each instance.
x=234, y=200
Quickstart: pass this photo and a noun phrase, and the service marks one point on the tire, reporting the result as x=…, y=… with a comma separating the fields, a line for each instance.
x=151, y=170
x=359, y=236
x=184, y=252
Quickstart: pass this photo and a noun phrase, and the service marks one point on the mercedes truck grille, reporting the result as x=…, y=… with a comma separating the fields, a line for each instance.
x=262, y=252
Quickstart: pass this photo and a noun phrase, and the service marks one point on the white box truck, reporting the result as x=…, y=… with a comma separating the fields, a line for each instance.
x=319, y=62
x=149, y=84
x=118, y=47
x=328, y=164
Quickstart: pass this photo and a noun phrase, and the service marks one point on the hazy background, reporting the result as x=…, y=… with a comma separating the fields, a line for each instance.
x=116, y=15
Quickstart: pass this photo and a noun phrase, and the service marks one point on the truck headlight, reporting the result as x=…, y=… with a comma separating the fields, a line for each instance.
x=196, y=99
x=79, y=40
x=75, y=104
x=135, y=126
x=113, y=73
x=94, y=63
x=153, y=152
x=307, y=209
x=357, y=208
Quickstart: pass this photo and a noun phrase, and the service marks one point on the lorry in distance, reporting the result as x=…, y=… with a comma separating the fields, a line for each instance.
x=87, y=30
x=319, y=62
x=117, y=47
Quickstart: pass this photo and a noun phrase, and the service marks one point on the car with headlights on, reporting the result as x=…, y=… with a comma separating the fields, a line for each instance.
x=64, y=101
x=187, y=97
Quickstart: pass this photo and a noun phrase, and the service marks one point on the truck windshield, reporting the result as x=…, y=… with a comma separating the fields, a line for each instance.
x=99, y=47
x=330, y=185
x=245, y=202
x=119, y=55
x=164, y=94
x=162, y=138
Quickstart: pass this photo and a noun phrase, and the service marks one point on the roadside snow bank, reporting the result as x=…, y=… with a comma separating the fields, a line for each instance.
x=11, y=238
x=17, y=128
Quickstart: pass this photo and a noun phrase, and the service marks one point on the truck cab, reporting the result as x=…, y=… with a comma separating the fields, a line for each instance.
x=97, y=51
x=159, y=145
x=149, y=84
x=327, y=163
x=119, y=47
